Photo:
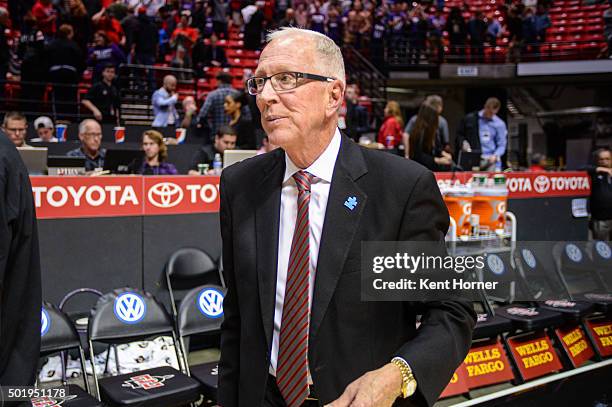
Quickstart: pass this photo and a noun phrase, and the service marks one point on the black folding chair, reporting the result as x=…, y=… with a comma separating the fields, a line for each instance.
x=544, y=284
x=201, y=312
x=127, y=315
x=600, y=253
x=58, y=334
x=187, y=268
x=578, y=273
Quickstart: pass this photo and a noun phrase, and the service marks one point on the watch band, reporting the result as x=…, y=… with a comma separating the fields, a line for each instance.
x=409, y=383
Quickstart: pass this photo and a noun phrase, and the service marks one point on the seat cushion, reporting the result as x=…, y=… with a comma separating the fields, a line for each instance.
x=489, y=326
x=160, y=386
x=208, y=375
x=529, y=318
x=74, y=397
x=571, y=310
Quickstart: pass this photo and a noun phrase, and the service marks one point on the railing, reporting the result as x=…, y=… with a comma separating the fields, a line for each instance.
x=403, y=53
x=370, y=80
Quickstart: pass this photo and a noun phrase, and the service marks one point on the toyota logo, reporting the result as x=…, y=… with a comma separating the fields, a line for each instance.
x=541, y=184
x=165, y=195
x=130, y=308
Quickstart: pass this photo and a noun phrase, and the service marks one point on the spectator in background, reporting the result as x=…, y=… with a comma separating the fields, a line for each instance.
x=182, y=60
x=254, y=25
x=390, y=132
x=184, y=35
x=66, y=65
x=206, y=25
x=377, y=42
x=442, y=135
x=189, y=121
x=607, y=16
x=90, y=135
x=266, y=146
x=103, y=99
x=4, y=49
x=219, y=18
x=289, y=19
x=212, y=114
x=530, y=33
x=155, y=156
x=421, y=142
x=494, y=30
x=514, y=24
x=164, y=103
x=334, y=25
x=15, y=126
x=102, y=54
x=542, y=23
x=484, y=132
x=225, y=139
x=44, y=130
x=436, y=30
x=457, y=32
x=110, y=25
x=601, y=194
x=34, y=69
x=145, y=43
x=317, y=19
x=208, y=55
x=356, y=116
x=417, y=33
x=477, y=29
x=46, y=16
x=79, y=20
x=301, y=15
x=538, y=162
x=243, y=127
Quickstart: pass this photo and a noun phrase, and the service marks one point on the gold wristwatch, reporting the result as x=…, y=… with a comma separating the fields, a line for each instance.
x=409, y=383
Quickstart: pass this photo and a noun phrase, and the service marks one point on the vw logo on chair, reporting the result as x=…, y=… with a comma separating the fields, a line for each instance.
x=573, y=252
x=210, y=302
x=45, y=322
x=603, y=250
x=496, y=264
x=130, y=308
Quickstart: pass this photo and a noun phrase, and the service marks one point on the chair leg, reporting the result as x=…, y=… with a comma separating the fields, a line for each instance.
x=83, y=370
x=93, y=368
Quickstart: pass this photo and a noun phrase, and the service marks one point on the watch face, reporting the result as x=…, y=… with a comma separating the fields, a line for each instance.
x=411, y=387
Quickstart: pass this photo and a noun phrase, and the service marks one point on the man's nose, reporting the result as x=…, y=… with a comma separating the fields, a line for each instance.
x=268, y=94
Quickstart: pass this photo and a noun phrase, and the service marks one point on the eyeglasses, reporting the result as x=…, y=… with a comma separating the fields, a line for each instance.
x=15, y=130
x=282, y=81
x=93, y=135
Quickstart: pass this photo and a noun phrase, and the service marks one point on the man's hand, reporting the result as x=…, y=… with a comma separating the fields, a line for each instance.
x=98, y=115
x=378, y=388
x=604, y=170
x=493, y=159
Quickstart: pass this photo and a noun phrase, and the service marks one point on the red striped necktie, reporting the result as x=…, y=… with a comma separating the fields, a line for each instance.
x=292, y=367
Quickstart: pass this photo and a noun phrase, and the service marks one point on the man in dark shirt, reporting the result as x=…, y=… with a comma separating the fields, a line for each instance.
x=225, y=139
x=601, y=194
x=90, y=134
x=477, y=29
x=103, y=98
x=20, y=285
x=356, y=115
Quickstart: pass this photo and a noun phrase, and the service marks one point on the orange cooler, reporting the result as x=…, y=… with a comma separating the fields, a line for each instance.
x=490, y=204
x=459, y=203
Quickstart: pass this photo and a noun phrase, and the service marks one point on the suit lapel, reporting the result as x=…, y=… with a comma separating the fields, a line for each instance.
x=339, y=227
x=267, y=212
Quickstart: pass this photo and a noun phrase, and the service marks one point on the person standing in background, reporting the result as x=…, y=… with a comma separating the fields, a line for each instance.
x=442, y=135
x=390, y=132
x=484, y=132
x=164, y=103
x=20, y=280
x=421, y=142
x=601, y=194
x=243, y=127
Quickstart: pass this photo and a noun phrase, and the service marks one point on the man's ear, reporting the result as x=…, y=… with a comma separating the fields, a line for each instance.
x=336, y=96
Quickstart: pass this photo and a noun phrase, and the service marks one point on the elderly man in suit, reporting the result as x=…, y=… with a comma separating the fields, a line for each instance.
x=295, y=331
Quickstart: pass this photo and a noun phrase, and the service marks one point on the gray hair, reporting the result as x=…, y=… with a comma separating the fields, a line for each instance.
x=83, y=125
x=330, y=61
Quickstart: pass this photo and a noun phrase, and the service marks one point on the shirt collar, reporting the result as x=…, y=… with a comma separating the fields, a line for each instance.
x=323, y=167
x=481, y=115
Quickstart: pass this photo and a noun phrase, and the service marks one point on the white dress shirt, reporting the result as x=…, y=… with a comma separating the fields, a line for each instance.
x=322, y=170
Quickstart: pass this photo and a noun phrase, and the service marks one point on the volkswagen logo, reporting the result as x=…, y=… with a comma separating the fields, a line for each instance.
x=529, y=258
x=45, y=322
x=130, y=308
x=573, y=252
x=210, y=302
x=541, y=184
x=603, y=250
x=165, y=195
x=496, y=264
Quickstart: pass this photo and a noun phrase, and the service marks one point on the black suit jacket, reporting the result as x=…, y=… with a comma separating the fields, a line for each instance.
x=397, y=200
x=468, y=130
